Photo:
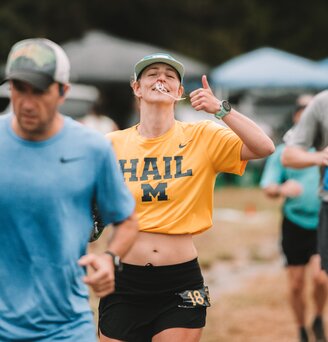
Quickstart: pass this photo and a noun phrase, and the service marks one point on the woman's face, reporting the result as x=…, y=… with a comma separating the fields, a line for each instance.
x=145, y=89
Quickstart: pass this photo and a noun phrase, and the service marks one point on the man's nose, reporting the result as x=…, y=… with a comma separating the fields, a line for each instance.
x=28, y=102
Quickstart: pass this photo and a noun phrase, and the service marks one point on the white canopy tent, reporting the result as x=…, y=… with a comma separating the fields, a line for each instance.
x=100, y=57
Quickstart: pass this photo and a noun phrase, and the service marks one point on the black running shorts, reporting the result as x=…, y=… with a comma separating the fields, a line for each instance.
x=298, y=244
x=148, y=300
x=323, y=235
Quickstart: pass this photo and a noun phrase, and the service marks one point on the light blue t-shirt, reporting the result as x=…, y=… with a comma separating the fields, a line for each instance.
x=46, y=194
x=304, y=209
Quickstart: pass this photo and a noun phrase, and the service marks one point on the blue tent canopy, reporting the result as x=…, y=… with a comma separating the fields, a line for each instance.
x=269, y=68
x=324, y=62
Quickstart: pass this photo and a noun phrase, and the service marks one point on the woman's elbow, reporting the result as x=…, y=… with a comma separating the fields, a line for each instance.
x=261, y=150
x=271, y=148
x=267, y=148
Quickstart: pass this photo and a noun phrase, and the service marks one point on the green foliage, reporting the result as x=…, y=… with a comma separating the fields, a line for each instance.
x=212, y=31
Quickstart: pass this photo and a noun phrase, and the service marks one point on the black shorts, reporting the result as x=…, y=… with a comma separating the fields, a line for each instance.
x=323, y=235
x=147, y=301
x=298, y=244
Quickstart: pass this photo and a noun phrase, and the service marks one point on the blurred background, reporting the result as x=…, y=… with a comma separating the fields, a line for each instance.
x=258, y=54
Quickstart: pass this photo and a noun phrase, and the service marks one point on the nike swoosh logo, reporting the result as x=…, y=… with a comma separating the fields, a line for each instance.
x=69, y=160
x=185, y=144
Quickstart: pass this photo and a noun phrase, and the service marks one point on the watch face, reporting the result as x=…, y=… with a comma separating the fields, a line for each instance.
x=226, y=105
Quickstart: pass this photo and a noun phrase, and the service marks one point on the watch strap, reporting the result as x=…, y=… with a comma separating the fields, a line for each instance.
x=222, y=111
x=116, y=261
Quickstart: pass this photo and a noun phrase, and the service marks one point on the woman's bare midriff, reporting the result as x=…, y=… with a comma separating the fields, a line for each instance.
x=161, y=249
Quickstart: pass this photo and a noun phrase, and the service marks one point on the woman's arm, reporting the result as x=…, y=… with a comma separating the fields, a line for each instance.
x=256, y=144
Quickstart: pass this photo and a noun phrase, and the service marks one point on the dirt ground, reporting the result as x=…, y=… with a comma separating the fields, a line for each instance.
x=243, y=268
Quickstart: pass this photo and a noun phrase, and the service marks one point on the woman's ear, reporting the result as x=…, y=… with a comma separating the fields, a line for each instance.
x=136, y=88
x=181, y=90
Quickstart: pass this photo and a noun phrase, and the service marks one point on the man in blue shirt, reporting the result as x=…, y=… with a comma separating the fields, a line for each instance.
x=299, y=230
x=53, y=171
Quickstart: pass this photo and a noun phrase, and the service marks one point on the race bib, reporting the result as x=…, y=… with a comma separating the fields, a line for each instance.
x=195, y=298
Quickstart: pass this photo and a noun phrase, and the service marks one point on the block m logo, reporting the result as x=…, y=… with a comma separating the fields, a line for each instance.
x=149, y=192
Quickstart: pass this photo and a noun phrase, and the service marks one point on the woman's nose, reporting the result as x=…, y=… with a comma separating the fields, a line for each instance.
x=161, y=77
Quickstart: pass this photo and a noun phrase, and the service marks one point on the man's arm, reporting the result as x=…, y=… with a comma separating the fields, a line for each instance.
x=298, y=158
x=124, y=236
x=102, y=278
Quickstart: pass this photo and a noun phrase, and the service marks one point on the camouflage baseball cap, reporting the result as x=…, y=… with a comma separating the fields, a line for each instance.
x=39, y=62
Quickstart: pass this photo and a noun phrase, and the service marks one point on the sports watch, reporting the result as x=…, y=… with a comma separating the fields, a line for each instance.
x=225, y=109
x=116, y=261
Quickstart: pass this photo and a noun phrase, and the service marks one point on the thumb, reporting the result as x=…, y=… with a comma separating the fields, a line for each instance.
x=87, y=260
x=205, y=82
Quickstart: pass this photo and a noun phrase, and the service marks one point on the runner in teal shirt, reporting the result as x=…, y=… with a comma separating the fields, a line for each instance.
x=299, y=241
x=303, y=209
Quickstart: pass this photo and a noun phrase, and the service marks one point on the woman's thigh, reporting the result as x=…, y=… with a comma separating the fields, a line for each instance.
x=178, y=334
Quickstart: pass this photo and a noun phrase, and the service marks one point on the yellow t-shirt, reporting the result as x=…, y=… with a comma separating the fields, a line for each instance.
x=172, y=176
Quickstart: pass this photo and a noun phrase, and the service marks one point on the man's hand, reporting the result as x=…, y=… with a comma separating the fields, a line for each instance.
x=272, y=190
x=291, y=188
x=323, y=157
x=204, y=99
x=101, y=276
